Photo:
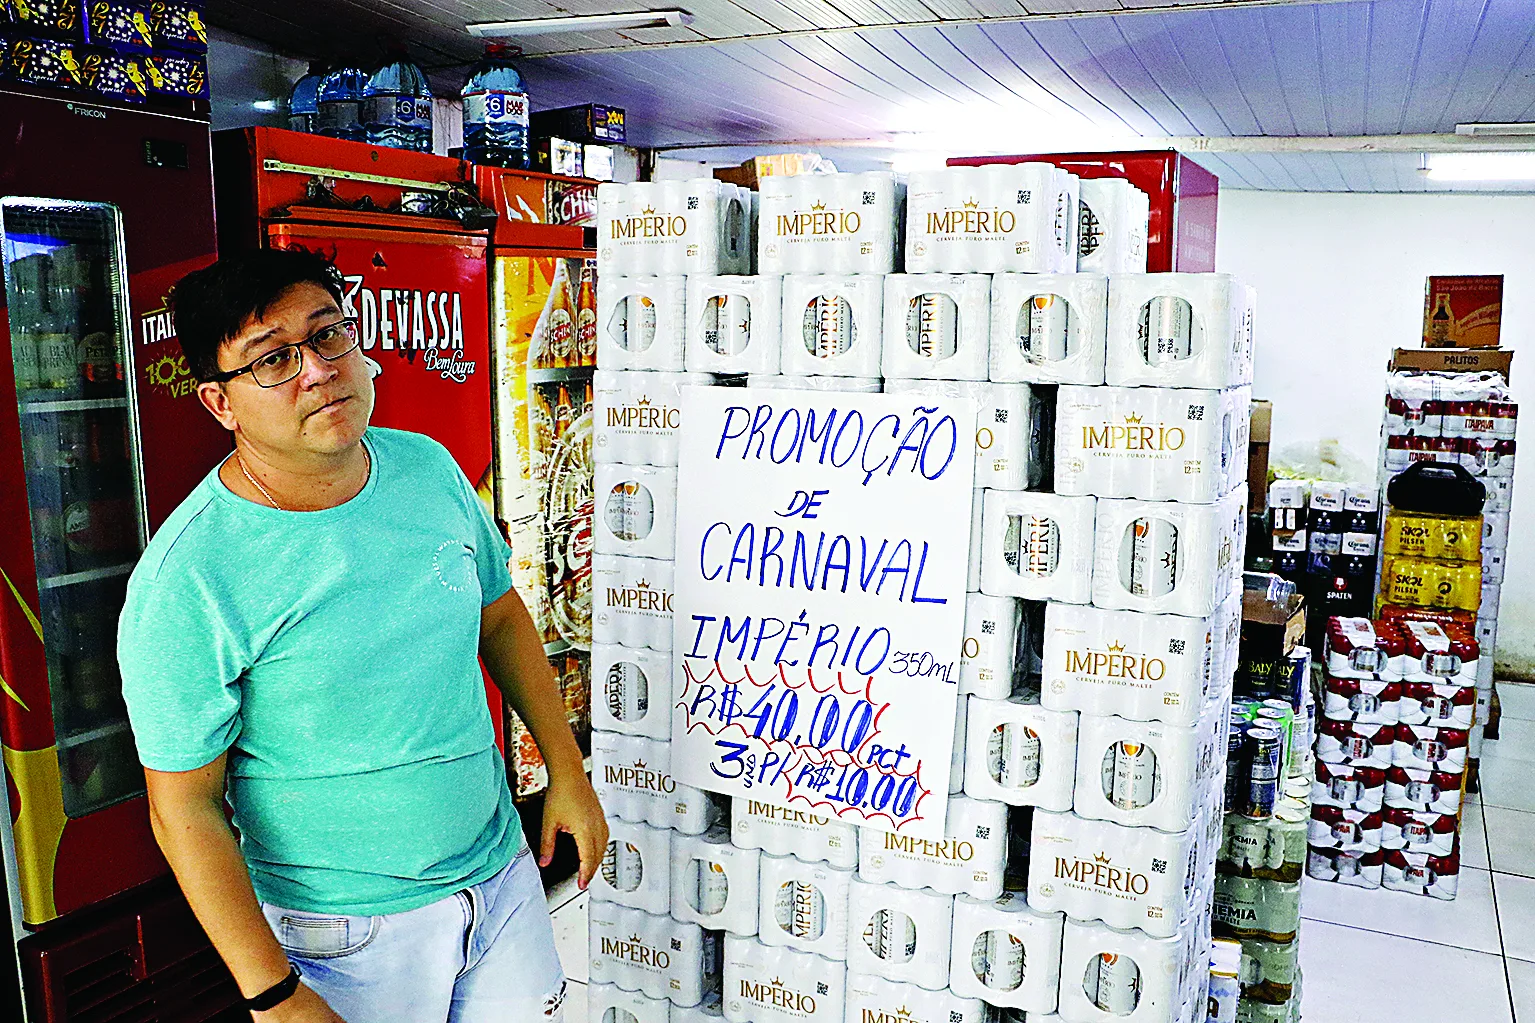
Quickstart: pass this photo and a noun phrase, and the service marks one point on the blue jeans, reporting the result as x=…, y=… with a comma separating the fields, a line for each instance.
x=483, y=955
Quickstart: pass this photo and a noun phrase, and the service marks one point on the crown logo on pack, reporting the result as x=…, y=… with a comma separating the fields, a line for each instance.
x=1100, y=858
x=648, y=211
x=635, y=938
x=644, y=402
x=971, y=204
x=818, y=206
x=903, y=1012
x=1116, y=648
x=1132, y=418
x=643, y=584
x=775, y=982
x=639, y=765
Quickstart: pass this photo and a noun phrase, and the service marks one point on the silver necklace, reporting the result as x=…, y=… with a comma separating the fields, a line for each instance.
x=368, y=462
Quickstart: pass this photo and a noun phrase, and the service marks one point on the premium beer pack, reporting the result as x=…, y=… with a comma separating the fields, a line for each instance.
x=803, y=905
x=1165, y=557
x=831, y=324
x=698, y=226
x=1049, y=328
x=778, y=984
x=991, y=639
x=937, y=326
x=632, y=690
x=632, y=601
x=1148, y=773
x=636, y=868
x=785, y=832
x=733, y=324
x=1111, y=226
x=1037, y=546
x=633, y=776
x=1180, y=330
x=636, y=513
x=715, y=883
x=1019, y=753
x=1008, y=442
x=829, y=223
x=968, y=860
x=871, y=997
x=1004, y=217
x=637, y=415
x=900, y=934
x=1108, y=974
x=1006, y=953
x=655, y=955
x=644, y=323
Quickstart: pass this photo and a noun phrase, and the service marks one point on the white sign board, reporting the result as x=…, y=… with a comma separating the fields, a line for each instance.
x=822, y=541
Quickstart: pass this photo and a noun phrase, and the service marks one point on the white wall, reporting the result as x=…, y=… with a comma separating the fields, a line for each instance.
x=1340, y=283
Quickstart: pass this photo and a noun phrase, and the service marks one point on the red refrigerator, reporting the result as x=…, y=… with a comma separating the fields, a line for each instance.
x=102, y=208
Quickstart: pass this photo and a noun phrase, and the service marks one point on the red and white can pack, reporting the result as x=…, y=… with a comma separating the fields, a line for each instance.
x=1418, y=831
x=1357, y=649
x=1443, y=706
x=1365, y=700
x=1349, y=787
x=1421, y=873
x=1414, y=788
x=1360, y=869
x=1436, y=749
x=1439, y=652
x=1354, y=743
x=1334, y=827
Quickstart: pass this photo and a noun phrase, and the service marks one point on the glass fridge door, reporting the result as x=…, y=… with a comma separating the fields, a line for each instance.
x=66, y=298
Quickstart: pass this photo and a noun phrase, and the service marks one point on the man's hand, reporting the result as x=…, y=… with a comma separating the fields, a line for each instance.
x=571, y=806
x=303, y=1007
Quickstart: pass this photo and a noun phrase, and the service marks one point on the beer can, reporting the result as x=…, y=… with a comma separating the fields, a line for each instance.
x=1119, y=982
x=828, y=326
x=640, y=324
x=1135, y=775
x=932, y=326
x=1020, y=756
x=629, y=511
x=627, y=691
x=727, y=324
x=1039, y=545
x=891, y=936
x=808, y=917
x=996, y=753
x=713, y=887
x=1236, y=767
x=610, y=864
x=1004, y=961
x=1264, y=747
x=1247, y=846
x=1153, y=557
x=1167, y=330
x=1047, y=337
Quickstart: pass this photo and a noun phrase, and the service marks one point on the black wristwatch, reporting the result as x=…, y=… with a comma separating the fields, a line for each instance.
x=276, y=994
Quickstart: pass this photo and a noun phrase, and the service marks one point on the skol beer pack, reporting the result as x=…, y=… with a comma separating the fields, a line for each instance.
x=1112, y=219
x=937, y=326
x=633, y=776
x=1019, y=753
x=713, y=883
x=1006, y=953
x=901, y=934
x=636, y=868
x=1049, y=328
x=1008, y=438
x=968, y=860
x=783, y=831
x=641, y=322
x=1019, y=217
x=831, y=324
x=777, y=984
x=1148, y=667
x=632, y=690
x=699, y=226
x=1037, y=546
x=656, y=955
x=636, y=510
x=733, y=324
x=1156, y=444
x=803, y=905
x=1126, y=877
x=1166, y=557
x=829, y=223
x=1180, y=330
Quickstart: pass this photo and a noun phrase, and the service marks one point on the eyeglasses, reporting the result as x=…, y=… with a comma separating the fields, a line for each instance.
x=280, y=365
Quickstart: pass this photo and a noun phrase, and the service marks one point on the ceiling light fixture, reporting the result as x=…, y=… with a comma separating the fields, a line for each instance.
x=579, y=23
x=1502, y=128
x=1482, y=166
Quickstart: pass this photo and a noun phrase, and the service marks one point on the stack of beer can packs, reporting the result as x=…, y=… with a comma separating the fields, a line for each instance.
x=1263, y=846
x=1094, y=723
x=1325, y=539
x=1399, y=700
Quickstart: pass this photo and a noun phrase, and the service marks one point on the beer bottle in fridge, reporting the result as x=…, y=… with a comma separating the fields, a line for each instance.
x=586, y=318
x=559, y=319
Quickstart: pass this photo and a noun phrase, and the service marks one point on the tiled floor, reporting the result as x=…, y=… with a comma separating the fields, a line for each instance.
x=1374, y=956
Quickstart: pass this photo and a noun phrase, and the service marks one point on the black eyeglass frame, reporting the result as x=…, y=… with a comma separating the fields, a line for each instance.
x=308, y=342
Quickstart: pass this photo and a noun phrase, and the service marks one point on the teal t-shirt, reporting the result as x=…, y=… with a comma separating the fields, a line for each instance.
x=334, y=655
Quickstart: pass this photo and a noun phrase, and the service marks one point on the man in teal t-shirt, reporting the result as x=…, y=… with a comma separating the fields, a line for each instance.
x=302, y=635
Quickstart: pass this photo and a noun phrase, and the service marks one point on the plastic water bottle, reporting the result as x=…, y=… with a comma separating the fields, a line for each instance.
x=397, y=105
x=337, y=102
x=496, y=110
x=303, y=101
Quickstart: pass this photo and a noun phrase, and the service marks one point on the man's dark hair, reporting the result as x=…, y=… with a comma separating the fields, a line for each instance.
x=210, y=305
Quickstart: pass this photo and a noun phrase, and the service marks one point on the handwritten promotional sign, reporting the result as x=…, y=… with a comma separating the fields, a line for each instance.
x=819, y=603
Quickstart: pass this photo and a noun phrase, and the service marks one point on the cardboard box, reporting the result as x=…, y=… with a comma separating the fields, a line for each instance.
x=1454, y=360
x=1462, y=312
x=589, y=122
x=1260, y=428
x=1269, y=633
x=751, y=171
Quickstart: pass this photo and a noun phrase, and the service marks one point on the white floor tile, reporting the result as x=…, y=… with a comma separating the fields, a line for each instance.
x=1515, y=741
x=1521, y=983
x=1354, y=976
x=1516, y=914
x=570, y=939
x=1473, y=836
x=1517, y=700
x=575, y=1002
x=1506, y=781
x=1468, y=922
x=1510, y=840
